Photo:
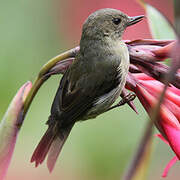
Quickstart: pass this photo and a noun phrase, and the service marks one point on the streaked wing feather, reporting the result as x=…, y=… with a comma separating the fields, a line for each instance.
x=74, y=104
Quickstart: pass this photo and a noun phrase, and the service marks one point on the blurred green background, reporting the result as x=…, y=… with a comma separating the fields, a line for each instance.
x=31, y=32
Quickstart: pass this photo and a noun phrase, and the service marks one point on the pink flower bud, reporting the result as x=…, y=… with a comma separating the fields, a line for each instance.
x=10, y=126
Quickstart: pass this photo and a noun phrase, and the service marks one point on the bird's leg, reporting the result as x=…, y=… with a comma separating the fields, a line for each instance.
x=129, y=97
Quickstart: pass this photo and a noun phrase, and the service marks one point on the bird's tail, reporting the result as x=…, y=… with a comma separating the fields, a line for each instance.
x=51, y=144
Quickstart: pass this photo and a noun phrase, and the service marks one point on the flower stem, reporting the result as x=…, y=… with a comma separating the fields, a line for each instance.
x=37, y=84
x=177, y=16
x=138, y=166
x=68, y=54
x=42, y=76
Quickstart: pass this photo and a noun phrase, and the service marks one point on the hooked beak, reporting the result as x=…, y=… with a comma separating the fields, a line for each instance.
x=134, y=20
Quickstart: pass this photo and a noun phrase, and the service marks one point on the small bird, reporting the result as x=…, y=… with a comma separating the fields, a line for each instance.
x=91, y=84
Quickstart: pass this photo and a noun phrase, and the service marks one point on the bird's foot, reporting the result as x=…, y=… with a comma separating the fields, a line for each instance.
x=129, y=97
x=126, y=99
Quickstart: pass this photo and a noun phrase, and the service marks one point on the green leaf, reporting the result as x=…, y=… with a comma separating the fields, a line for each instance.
x=159, y=25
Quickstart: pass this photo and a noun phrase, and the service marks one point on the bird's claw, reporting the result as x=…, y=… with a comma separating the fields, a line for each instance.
x=126, y=99
x=129, y=97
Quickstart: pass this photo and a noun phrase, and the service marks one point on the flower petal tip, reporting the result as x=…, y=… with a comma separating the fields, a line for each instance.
x=169, y=165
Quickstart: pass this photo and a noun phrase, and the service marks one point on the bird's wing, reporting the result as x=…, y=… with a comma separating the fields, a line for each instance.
x=73, y=104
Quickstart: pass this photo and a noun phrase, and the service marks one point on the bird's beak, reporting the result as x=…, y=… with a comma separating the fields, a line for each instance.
x=134, y=20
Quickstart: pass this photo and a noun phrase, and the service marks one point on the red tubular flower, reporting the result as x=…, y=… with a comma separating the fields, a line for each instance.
x=148, y=91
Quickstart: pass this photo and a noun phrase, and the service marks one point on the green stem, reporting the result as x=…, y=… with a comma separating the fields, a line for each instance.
x=42, y=76
x=139, y=164
x=37, y=84
x=53, y=61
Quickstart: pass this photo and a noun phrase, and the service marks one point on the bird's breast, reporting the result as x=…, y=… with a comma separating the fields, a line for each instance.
x=112, y=66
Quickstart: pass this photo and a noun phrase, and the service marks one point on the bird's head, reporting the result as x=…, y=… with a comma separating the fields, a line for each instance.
x=107, y=23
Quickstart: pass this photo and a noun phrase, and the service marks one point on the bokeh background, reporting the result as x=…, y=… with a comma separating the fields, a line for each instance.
x=31, y=32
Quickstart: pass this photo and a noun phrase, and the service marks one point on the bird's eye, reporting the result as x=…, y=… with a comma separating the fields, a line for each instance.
x=116, y=21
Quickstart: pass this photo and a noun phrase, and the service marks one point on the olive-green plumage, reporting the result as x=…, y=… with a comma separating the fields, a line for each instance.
x=92, y=83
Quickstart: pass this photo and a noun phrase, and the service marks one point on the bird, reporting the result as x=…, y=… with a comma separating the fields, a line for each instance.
x=91, y=84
